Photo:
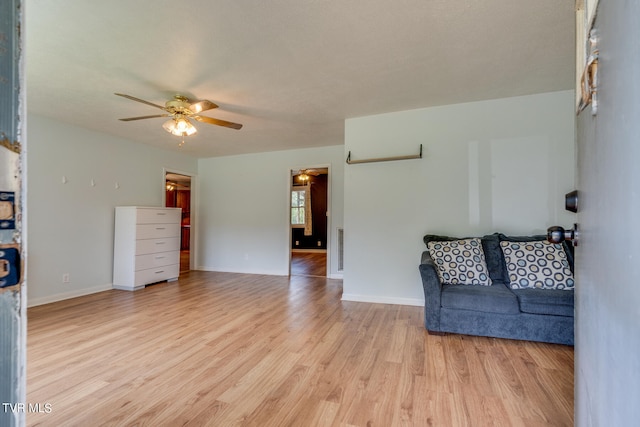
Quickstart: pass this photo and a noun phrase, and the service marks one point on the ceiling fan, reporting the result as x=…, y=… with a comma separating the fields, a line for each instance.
x=180, y=109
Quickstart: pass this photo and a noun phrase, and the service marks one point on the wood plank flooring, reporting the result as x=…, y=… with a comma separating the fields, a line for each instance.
x=308, y=264
x=224, y=349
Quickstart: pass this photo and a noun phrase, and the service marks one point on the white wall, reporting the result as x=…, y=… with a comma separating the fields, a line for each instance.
x=501, y=165
x=71, y=225
x=243, y=212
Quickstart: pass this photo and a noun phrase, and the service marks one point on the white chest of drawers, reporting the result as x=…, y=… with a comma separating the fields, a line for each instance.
x=146, y=246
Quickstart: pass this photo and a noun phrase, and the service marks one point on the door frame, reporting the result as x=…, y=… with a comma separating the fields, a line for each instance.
x=193, y=243
x=13, y=152
x=329, y=228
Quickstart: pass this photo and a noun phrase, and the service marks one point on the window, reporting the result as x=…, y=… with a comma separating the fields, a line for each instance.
x=297, y=207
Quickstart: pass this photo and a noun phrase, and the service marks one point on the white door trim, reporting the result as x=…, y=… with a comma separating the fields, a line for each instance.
x=329, y=221
x=193, y=236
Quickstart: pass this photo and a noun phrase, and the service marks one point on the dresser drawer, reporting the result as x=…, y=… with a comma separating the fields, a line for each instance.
x=151, y=246
x=157, y=231
x=158, y=216
x=160, y=259
x=157, y=274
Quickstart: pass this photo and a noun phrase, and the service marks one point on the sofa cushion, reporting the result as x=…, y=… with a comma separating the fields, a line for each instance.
x=568, y=247
x=494, y=259
x=489, y=299
x=537, y=264
x=545, y=301
x=460, y=262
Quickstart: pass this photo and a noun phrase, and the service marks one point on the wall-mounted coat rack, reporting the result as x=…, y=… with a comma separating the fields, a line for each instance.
x=384, y=159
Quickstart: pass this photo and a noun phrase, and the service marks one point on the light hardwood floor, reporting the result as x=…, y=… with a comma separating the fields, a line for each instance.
x=226, y=349
x=309, y=264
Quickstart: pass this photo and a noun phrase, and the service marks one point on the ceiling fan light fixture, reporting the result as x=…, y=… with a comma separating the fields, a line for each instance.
x=179, y=127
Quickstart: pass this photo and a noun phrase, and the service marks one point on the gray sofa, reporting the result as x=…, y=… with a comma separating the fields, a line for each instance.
x=544, y=315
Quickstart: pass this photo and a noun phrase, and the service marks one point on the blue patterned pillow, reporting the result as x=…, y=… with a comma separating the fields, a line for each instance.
x=539, y=265
x=460, y=262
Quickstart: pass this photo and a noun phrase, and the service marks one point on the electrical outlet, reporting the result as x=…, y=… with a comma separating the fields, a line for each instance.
x=319, y=243
x=65, y=278
x=297, y=242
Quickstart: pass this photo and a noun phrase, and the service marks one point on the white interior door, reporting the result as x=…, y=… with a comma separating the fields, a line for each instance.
x=607, y=351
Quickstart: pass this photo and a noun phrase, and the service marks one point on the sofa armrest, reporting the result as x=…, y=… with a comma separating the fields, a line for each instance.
x=432, y=293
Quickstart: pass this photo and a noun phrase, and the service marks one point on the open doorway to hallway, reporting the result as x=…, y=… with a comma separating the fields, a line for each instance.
x=178, y=195
x=309, y=224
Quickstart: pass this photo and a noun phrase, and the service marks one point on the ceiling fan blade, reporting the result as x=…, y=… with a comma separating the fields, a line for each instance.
x=218, y=122
x=203, y=105
x=133, y=98
x=128, y=119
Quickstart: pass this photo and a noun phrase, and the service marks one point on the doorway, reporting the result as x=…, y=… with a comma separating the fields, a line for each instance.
x=178, y=194
x=309, y=225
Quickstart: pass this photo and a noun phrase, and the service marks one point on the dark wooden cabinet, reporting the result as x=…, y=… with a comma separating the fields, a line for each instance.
x=183, y=200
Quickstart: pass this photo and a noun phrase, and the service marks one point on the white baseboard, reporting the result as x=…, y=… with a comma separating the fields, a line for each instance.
x=32, y=302
x=383, y=300
x=335, y=276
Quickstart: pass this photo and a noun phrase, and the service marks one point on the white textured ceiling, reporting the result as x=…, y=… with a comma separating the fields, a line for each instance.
x=291, y=71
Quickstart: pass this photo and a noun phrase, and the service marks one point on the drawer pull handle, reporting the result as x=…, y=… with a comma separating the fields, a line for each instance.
x=160, y=213
x=161, y=271
x=160, y=243
x=160, y=228
x=159, y=257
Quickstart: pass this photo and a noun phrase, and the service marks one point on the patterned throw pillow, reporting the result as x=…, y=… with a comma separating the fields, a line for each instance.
x=541, y=265
x=460, y=262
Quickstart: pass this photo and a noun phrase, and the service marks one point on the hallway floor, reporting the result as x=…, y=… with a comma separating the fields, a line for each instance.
x=184, y=261
x=308, y=264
